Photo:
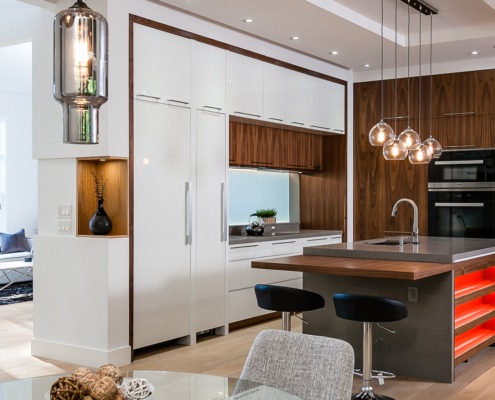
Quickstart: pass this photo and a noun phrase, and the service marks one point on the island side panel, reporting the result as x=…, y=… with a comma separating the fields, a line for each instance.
x=423, y=344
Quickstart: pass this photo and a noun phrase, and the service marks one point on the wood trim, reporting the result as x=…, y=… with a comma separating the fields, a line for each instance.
x=234, y=49
x=389, y=269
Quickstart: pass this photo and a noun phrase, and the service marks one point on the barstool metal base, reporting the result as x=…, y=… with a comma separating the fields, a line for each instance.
x=367, y=394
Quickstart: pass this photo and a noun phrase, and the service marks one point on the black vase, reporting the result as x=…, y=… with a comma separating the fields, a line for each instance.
x=100, y=223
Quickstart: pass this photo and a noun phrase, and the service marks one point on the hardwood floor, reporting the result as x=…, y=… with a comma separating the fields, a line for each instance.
x=225, y=355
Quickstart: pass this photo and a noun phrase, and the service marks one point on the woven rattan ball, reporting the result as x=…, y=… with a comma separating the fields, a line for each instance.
x=66, y=388
x=104, y=389
x=80, y=372
x=88, y=381
x=135, y=389
x=112, y=371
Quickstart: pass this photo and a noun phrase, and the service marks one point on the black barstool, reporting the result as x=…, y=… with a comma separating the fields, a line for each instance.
x=369, y=309
x=287, y=300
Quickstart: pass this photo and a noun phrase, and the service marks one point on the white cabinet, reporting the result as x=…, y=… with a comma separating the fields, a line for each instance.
x=244, y=86
x=211, y=225
x=337, y=107
x=295, y=98
x=162, y=222
x=325, y=105
x=242, y=278
x=273, y=93
x=162, y=66
x=209, y=67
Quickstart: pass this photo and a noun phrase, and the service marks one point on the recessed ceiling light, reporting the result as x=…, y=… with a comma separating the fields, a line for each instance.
x=294, y=38
x=334, y=53
x=474, y=52
x=248, y=20
x=367, y=65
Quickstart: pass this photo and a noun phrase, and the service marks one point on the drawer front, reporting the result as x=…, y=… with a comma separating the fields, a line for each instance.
x=244, y=251
x=321, y=240
x=278, y=248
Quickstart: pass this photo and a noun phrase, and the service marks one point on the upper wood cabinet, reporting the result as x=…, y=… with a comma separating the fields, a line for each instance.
x=209, y=66
x=304, y=151
x=245, y=86
x=162, y=66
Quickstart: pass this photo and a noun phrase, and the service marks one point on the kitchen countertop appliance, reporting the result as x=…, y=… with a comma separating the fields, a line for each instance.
x=461, y=194
x=254, y=228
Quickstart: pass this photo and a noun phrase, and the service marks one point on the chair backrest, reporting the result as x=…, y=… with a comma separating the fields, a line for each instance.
x=311, y=367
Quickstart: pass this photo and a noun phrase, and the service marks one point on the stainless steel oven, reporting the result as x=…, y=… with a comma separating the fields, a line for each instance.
x=461, y=194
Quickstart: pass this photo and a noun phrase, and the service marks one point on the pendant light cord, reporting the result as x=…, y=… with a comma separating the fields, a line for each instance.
x=395, y=64
x=419, y=111
x=408, y=51
x=431, y=75
x=381, y=97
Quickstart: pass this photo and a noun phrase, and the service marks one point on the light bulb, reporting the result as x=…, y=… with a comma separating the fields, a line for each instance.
x=380, y=133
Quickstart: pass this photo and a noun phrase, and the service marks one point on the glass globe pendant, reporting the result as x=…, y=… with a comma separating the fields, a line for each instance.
x=420, y=155
x=411, y=138
x=380, y=133
x=395, y=149
x=434, y=146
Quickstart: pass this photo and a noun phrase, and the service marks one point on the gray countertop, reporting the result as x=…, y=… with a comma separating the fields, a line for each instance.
x=302, y=233
x=430, y=249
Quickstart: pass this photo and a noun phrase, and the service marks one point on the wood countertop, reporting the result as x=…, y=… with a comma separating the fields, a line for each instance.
x=372, y=268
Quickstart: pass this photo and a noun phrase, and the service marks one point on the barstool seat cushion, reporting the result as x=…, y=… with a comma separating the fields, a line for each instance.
x=287, y=299
x=363, y=308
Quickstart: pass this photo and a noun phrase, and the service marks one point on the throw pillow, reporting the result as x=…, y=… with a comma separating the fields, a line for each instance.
x=12, y=243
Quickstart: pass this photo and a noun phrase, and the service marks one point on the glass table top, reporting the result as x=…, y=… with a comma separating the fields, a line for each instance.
x=167, y=385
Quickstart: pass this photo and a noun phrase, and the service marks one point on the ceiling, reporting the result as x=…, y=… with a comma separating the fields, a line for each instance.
x=353, y=28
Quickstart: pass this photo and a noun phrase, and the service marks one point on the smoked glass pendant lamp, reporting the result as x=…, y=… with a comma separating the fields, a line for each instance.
x=409, y=136
x=395, y=149
x=432, y=143
x=421, y=153
x=80, y=70
x=381, y=132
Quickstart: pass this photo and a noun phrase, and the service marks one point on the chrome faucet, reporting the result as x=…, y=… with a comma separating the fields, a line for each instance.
x=415, y=230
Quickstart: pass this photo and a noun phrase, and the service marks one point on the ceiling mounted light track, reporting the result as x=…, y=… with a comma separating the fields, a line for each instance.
x=421, y=6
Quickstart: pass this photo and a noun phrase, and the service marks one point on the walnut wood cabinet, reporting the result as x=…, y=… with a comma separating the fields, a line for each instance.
x=261, y=146
x=463, y=117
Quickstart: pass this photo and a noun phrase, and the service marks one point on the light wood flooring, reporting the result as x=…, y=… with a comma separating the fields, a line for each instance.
x=225, y=355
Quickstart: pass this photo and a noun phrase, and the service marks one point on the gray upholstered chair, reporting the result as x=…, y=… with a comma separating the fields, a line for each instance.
x=311, y=367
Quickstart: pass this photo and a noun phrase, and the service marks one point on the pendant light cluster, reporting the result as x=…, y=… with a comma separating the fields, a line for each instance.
x=408, y=143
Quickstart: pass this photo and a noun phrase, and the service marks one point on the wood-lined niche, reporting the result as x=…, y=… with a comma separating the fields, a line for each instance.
x=115, y=172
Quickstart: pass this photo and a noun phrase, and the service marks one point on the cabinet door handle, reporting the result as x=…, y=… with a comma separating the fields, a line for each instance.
x=289, y=242
x=314, y=240
x=297, y=123
x=213, y=108
x=459, y=146
x=263, y=162
x=276, y=119
x=223, y=211
x=245, y=246
x=458, y=114
x=244, y=113
x=148, y=96
x=399, y=117
x=338, y=130
x=178, y=101
x=319, y=127
x=188, y=214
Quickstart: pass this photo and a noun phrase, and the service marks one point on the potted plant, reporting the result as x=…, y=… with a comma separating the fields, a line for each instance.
x=267, y=215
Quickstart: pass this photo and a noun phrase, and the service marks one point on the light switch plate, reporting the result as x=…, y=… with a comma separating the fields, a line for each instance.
x=412, y=294
x=65, y=211
x=63, y=227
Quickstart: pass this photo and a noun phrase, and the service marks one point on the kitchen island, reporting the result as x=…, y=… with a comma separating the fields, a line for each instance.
x=448, y=285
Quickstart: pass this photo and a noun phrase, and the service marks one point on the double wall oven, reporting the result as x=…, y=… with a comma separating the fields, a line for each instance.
x=461, y=194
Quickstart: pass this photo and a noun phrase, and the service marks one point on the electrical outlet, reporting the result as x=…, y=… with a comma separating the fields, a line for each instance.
x=63, y=227
x=65, y=211
x=412, y=294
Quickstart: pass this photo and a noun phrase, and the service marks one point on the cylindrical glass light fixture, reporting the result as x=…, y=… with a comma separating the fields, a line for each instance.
x=80, y=70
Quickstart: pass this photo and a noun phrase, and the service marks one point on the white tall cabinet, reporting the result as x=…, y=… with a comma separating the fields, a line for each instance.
x=180, y=227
